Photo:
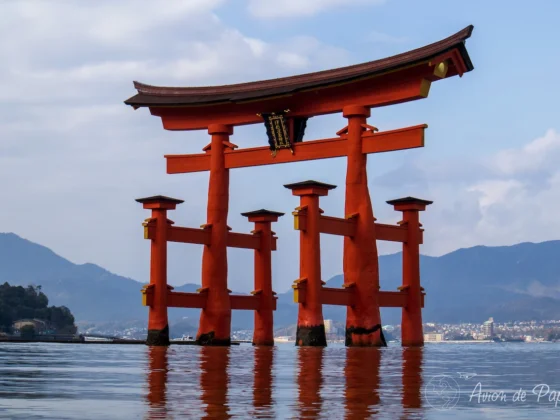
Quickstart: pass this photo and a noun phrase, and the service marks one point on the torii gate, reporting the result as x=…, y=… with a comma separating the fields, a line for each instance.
x=352, y=90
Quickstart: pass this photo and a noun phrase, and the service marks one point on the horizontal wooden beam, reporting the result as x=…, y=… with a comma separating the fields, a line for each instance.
x=387, y=141
x=346, y=297
x=245, y=302
x=188, y=235
x=337, y=226
x=249, y=302
x=202, y=236
x=390, y=233
x=341, y=297
x=243, y=240
x=391, y=88
x=186, y=300
x=182, y=234
x=347, y=227
x=392, y=299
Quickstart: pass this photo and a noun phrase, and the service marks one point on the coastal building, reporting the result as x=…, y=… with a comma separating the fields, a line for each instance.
x=488, y=328
x=283, y=339
x=433, y=337
x=38, y=325
x=329, y=327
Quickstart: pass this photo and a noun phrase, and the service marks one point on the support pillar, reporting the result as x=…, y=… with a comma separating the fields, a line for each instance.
x=215, y=319
x=411, y=328
x=263, y=334
x=158, y=327
x=310, y=326
x=360, y=267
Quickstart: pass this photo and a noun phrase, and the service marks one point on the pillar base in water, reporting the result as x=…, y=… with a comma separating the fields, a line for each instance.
x=158, y=337
x=311, y=336
x=353, y=341
x=208, y=339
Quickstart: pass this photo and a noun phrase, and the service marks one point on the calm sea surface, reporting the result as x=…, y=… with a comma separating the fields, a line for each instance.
x=441, y=381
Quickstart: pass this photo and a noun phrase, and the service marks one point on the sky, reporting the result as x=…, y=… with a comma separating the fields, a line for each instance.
x=73, y=157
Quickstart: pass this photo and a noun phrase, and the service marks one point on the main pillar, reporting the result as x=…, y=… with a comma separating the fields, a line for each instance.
x=158, y=327
x=411, y=328
x=310, y=326
x=263, y=332
x=360, y=266
x=215, y=319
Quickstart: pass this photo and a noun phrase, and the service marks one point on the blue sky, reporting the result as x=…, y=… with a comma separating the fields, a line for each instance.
x=73, y=157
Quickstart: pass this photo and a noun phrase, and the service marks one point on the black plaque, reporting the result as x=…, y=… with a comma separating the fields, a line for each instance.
x=277, y=130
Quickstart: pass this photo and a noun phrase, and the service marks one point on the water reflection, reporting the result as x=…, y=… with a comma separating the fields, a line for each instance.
x=310, y=381
x=361, y=372
x=157, y=382
x=214, y=363
x=412, y=378
x=262, y=382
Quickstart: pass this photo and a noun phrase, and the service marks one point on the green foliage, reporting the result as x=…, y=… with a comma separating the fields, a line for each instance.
x=17, y=302
x=27, y=331
x=553, y=335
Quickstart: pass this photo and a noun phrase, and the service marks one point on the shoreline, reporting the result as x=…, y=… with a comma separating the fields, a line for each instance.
x=128, y=342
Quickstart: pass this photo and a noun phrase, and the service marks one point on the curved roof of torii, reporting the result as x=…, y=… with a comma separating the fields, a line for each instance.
x=156, y=96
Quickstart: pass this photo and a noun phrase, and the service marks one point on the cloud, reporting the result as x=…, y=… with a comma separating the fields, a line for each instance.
x=267, y=9
x=539, y=290
x=73, y=157
x=492, y=200
x=540, y=154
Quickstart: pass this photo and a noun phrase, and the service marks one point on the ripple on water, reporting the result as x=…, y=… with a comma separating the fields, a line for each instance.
x=60, y=381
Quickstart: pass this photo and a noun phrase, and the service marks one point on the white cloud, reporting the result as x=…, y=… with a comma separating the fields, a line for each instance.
x=541, y=153
x=495, y=191
x=502, y=199
x=73, y=157
x=298, y=8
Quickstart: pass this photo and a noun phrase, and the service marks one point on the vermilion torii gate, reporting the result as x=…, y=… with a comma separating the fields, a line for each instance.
x=285, y=104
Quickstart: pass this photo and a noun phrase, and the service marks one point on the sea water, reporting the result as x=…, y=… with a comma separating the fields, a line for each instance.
x=440, y=381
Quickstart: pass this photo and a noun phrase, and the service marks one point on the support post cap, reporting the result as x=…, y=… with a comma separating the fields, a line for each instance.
x=310, y=187
x=262, y=215
x=409, y=203
x=159, y=202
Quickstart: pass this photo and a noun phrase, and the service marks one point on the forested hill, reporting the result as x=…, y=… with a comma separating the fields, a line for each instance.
x=17, y=303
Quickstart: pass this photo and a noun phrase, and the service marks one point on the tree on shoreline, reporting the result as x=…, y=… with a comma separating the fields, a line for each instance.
x=17, y=302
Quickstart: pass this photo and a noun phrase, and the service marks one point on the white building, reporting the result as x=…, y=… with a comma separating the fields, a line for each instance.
x=329, y=327
x=433, y=337
x=488, y=328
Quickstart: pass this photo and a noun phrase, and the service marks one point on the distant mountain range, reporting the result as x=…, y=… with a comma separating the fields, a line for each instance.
x=519, y=282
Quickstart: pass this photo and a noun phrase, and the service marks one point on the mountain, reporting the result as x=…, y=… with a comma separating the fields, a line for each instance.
x=91, y=292
x=519, y=282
